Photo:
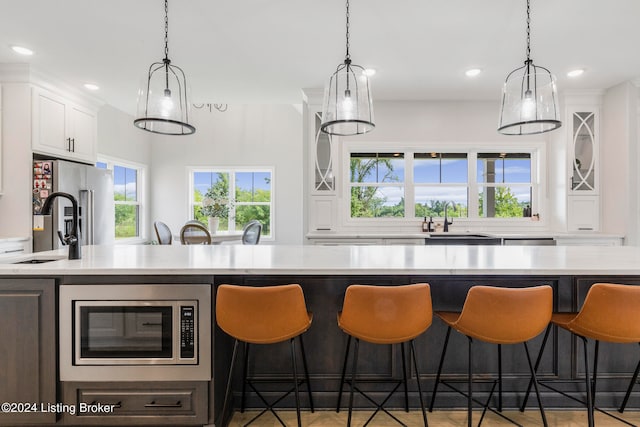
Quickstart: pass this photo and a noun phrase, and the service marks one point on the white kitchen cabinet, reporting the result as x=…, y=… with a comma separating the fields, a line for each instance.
x=322, y=213
x=583, y=213
x=583, y=200
x=0, y=140
x=62, y=128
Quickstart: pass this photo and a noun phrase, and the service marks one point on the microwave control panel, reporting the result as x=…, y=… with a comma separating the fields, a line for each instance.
x=187, y=332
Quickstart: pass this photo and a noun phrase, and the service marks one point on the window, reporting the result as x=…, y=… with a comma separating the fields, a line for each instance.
x=471, y=183
x=377, y=188
x=246, y=193
x=127, y=193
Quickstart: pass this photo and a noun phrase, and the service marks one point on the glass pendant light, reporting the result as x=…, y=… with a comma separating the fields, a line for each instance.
x=529, y=98
x=347, y=107
x=162, y=101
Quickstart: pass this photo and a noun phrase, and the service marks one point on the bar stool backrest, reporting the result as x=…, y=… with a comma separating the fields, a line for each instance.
x=506, y=315
x=611, y=312
x=386, y=314
x=262, y=315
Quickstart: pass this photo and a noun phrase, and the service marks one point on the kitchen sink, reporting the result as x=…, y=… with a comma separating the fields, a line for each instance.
x=462, y=239
x=38, y=260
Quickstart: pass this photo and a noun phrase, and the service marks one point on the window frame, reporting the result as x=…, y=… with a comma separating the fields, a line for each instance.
x=232, y=189
x=537, y=150
x=141, y=171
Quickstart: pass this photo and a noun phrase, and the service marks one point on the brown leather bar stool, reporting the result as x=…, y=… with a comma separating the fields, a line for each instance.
x=264, y=315
x=611, y=313
x=498, y=316
x=384, y=315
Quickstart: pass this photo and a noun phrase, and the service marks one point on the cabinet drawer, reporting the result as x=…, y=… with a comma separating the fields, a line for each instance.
x=161, y=403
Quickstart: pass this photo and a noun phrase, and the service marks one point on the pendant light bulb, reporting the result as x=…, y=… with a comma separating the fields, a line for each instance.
x=347, y=108
x=163, y=104
x=529, y=97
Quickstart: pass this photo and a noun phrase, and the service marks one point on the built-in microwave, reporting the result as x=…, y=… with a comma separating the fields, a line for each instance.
x=135, y=332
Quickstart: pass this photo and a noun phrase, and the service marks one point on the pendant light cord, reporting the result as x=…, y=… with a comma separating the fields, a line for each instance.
x=347, y=58
x=166, y=30
x=528, y=31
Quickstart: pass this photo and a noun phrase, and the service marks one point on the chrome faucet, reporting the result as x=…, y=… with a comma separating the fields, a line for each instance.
x=446, y=222
x=72, y=238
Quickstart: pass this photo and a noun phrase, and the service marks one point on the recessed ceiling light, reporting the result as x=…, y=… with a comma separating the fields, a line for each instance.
x=22, y=50
x=91, y=86
x=575, y=73
x=369, y=72
x=473, y=72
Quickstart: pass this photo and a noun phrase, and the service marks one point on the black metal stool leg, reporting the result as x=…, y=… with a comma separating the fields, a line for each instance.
x=535, y=384
x=306, y=373
x=536, y=366
x=228, y=388
x=415, y=367
x=470, y=383
x=588, y=384
x=435, y=386
x=500, y=377
x=344, y=370
x=595, y=373
x=353, y=379
x=634, y=379
x=404, y=375
x=245, y=365
x=295, y=379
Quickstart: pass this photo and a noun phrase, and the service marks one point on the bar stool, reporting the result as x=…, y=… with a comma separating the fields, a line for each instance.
x=384, y=315
x=611, y=313
x=264, y=315
x=498, y=316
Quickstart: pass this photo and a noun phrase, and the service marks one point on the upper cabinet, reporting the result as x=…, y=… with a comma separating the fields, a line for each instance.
x=583, y=201
x=0, y=140
x=62, y=128
x=583, y=151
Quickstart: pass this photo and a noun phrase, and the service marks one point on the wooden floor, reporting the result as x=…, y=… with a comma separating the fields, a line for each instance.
x=435, y=419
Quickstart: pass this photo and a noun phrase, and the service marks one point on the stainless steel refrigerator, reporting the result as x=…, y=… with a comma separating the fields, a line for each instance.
x=93, y=189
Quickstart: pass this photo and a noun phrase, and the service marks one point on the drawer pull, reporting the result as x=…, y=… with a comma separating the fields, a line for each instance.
x=153, y=404
x=151, y=324
x=115, y=405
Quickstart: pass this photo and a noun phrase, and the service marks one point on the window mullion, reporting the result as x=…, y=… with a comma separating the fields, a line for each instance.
x=409, y=190
x=473, y=205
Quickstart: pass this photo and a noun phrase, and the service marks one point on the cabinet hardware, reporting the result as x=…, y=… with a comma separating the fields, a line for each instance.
x=73, y=140
x=69, y=144
x=151, y=324
x=118, y=404
x=153, y=404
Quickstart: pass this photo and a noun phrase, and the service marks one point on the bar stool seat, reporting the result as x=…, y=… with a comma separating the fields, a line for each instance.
x=498, y=316
x=611, y=313
x=384, y=315
x=264, y=315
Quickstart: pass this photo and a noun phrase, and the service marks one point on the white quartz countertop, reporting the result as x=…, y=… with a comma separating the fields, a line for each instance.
x=344, y=260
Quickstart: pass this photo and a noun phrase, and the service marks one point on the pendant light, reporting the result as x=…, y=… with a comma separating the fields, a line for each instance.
x=529, y=97
x=162, y=101
x=347, y=107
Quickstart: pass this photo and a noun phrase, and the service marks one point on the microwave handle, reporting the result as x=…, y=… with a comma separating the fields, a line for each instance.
x=153, y=404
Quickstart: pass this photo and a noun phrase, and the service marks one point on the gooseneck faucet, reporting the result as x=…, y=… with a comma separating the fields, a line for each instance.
x=72, y=239
x=446, y=222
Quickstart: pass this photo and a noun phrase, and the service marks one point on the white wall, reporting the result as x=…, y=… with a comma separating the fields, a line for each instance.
x=119, y=139
x=17, y=166
x=244, y=135
x=619, y=179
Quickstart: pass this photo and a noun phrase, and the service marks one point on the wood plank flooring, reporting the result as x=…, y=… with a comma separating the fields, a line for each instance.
x=436, y=419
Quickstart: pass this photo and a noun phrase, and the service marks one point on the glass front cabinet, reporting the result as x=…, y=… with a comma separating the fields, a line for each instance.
x=583, y=201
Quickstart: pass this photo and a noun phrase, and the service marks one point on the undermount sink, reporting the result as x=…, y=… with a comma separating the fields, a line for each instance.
x=461, y=239
x=458, y=236
x=39, y=260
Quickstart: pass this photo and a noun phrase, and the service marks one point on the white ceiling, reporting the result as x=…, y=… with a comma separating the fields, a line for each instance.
x=266, y=51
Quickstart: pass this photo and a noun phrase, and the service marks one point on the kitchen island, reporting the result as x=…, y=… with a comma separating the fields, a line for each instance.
x=324, y=273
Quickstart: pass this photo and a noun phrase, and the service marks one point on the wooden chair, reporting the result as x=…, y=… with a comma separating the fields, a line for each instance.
x=195, y=234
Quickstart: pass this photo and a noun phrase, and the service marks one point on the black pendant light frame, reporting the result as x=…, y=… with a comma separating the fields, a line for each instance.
x=355, y=86
x=543, y=121
x=173, y=73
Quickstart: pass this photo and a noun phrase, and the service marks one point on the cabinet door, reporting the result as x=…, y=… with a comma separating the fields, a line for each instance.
x=28, y=356
x=583, y=213
x=322, y=213
x=49, y=123
x=82, y=125
x=583, y=151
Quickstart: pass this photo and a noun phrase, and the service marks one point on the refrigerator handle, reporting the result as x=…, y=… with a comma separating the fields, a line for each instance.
x=88, y=216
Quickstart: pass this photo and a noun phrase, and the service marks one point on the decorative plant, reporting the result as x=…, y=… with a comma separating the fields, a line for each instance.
x=215, y=203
